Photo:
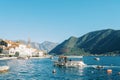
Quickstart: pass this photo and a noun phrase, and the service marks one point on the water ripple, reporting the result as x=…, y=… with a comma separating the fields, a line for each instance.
x=41, y=69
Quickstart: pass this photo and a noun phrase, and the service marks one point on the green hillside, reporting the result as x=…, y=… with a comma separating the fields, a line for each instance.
x=103, y=42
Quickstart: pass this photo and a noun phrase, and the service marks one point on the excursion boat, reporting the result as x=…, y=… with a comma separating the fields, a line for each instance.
x=4, y=68
x=65, y=62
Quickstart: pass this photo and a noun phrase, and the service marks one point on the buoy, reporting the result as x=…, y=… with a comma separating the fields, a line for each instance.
x=109, y=71
x=54, y=71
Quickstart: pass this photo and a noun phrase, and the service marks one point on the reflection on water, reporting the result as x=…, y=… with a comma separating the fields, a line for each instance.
x=41, y=69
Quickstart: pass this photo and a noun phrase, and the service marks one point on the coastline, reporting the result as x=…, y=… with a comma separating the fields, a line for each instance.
x=12, y=58
x=8, y=58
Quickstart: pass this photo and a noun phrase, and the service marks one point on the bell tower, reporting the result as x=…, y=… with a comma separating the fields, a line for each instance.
x=29, y=42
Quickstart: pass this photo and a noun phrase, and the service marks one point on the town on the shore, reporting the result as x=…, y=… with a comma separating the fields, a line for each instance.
x=10, y=48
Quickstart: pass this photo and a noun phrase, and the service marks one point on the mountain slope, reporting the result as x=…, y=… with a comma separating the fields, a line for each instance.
x=45, y=46
x=97, y=42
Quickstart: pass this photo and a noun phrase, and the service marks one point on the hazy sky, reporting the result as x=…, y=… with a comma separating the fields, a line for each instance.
x=56, y=20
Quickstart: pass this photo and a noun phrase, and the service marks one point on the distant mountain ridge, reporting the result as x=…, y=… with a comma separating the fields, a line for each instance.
x=97, y=42
x=45, y=46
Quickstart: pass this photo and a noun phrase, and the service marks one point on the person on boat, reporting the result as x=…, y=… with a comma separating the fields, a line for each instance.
x=65, y=59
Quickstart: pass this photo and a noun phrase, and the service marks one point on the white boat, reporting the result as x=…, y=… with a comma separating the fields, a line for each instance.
x=75, y=64
x=97, y=58
x=63, y=61
x=4, y=68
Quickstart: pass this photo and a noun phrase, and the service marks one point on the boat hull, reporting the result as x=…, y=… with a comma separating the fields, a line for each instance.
x=70, y=64
x=4, y=68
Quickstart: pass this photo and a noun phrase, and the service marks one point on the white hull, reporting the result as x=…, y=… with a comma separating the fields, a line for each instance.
x=70, y=64
x=4, y=68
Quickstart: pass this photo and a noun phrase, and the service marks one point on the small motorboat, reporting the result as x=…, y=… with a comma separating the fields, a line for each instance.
x=4, y=68
x=97, y=58
x=63, y=61
x=99, y=67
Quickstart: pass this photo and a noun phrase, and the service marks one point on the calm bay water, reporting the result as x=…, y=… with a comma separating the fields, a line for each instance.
x=41, y=69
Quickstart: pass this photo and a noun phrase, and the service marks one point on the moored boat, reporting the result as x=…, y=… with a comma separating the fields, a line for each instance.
x=65, y=62
x=4, y=68
x=97, y=58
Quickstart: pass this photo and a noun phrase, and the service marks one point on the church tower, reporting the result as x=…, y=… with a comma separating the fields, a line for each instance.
x=29, y=42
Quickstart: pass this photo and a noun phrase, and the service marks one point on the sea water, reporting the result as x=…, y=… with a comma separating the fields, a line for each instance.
x=41, y=69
